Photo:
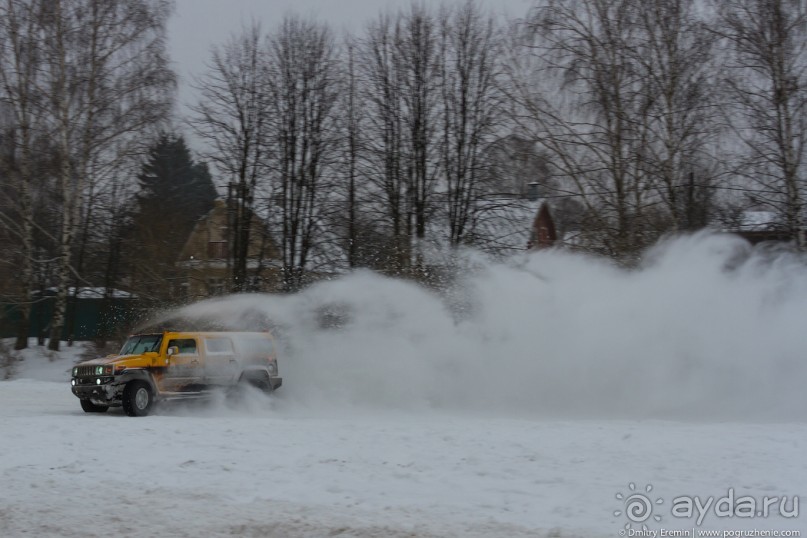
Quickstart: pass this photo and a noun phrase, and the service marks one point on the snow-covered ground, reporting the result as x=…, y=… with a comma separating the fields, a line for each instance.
x=564, y=382
x=263, y=470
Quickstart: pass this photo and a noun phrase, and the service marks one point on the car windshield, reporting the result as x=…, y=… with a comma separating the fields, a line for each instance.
x=141, y=344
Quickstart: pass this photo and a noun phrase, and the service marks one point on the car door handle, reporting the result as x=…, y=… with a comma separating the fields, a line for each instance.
x=194, y=361
x=233, y=360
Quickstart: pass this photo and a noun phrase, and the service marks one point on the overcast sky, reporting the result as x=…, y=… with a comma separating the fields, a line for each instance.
x=198, y=24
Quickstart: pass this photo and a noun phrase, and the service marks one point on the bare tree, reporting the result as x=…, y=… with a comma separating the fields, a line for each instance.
x=675, y=58
x=769, y=91
x=21, y=59
x=399, y=70
x=231, y=117
x=107, y=79
x=597, y=128
x=303, y=90
x=417, y=50
x=470, y=106
x=384, y=148
x=351, y=120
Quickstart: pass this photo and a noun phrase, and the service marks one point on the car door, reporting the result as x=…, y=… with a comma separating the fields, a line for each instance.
x=221, y=363
x=185, y=370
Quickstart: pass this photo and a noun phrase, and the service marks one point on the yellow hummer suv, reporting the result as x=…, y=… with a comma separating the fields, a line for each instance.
x=175, y=365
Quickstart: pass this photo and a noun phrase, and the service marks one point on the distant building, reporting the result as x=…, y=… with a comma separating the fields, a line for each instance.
x=508, y=225
x=543, y=234
x=206, y=258
x=760, y=226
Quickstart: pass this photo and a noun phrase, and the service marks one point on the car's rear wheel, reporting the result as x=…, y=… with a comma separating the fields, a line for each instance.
x=258, y=379
x=138, y=398
x=90, y=407
x=249, y=379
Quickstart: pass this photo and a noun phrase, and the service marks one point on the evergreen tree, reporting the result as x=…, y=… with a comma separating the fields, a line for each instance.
x=174, y=193
x=171, y=182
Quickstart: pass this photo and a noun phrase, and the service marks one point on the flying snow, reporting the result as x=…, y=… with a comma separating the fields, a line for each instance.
x=707, y=327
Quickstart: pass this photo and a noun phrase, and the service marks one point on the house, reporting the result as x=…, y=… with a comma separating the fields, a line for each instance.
x=759, y=226
x=544, y=234
x=206, y=260
x=508, y=225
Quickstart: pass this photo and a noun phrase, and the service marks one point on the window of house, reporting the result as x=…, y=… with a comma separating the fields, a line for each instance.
x=532, y=191
x=217, y=250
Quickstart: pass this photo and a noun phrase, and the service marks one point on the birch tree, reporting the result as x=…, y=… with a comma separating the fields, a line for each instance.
x=769, y=99
x=21, y=64
x=107, y=80
x=674, y=53
x=590, y=112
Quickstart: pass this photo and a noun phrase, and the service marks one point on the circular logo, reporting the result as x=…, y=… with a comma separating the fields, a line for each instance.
x=638, y=507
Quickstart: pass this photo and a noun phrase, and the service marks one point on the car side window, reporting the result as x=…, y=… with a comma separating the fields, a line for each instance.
x=218, y=345
x=186, y=346
x=257, y=348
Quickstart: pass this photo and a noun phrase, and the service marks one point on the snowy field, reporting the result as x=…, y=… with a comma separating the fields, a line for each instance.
x=265, y=471
x=519, y=407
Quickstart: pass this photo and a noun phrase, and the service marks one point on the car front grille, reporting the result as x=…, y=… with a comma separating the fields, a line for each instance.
x=86, y=371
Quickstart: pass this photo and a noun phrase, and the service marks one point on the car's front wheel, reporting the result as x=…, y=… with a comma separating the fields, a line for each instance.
x=90, y=407
x=138, y=399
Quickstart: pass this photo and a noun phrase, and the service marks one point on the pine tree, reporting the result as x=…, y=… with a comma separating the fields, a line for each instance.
x=174, y=193
x=172, y=183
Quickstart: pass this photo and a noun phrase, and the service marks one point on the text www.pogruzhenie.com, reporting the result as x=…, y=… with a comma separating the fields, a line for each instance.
x=703, y=533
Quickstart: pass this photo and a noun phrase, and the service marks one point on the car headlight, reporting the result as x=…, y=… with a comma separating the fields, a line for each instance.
x=99, y=370
x=75, y=371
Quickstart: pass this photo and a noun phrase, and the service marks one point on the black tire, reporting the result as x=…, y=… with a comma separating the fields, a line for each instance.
x=138, y=399
x=90, y=407
x=238, y=392
x=258, y=379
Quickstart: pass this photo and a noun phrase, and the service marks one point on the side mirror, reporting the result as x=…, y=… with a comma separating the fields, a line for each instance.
x=173, y=350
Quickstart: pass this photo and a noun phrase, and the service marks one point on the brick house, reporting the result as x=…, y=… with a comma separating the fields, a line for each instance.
x=543, y=233
x=206, y=259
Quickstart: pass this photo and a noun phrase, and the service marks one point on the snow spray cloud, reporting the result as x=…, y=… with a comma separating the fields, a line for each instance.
x=707, y=328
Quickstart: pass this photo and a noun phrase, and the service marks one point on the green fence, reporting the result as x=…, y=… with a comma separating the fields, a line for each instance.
x=87, y=318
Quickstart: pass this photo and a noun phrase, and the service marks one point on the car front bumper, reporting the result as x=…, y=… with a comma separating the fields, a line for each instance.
x=106, y=393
